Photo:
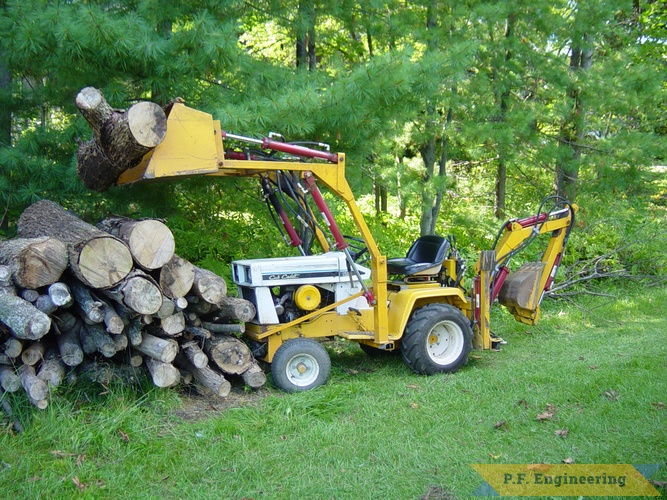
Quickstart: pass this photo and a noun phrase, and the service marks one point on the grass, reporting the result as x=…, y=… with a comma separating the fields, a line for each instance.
x=375, y=430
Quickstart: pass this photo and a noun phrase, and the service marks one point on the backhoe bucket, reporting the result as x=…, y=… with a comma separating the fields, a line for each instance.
x=521, y=293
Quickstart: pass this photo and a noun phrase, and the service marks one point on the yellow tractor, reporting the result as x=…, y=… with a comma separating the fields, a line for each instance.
x=418, y=304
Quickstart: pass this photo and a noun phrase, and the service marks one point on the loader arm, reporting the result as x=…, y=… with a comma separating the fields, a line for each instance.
x=193, y=146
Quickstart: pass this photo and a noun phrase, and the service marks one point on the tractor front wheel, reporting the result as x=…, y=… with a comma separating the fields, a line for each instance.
x=300, y=365
x=437, y=339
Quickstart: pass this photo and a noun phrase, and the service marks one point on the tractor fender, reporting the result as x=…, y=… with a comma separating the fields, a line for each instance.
x=403, y=303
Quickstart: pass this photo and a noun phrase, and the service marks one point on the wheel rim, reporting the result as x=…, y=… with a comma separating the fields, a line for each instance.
x=302, y=370
x=444, y=342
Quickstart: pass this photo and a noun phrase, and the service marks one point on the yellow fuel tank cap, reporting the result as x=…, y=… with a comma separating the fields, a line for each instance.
x=307, y=298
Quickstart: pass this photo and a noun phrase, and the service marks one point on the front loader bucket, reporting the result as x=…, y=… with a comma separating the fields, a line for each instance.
x=520, y=293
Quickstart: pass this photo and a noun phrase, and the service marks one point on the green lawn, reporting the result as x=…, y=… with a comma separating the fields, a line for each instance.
x=375, y=430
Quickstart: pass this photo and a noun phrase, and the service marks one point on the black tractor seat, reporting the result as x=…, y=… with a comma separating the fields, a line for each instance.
x=424, y=258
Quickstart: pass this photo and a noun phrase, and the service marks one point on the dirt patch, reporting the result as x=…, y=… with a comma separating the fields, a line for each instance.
x=197, y=407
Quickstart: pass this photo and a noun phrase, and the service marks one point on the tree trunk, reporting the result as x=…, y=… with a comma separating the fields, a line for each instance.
x=34, y=262
x=33, y=354
x=60, y=295
x=174, y=324
x=35, y=388
x=12, y=347
x=230, y=354
x=52, y=371
x=90, y=308
x=208, y=380
x=69, y=346
x=103, y=341
x=194, y=354
x=177, y=277
x=150, y=241
x=9, y=380
x=139, y=292
x=98, y=259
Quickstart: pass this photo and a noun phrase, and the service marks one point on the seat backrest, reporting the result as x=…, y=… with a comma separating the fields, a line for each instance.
x=429, y=248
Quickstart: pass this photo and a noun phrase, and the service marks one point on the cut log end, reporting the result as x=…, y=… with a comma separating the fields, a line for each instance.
x=104, y=262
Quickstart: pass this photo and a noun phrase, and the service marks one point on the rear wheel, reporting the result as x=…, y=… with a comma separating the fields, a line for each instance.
x=300, y=365
x=437, y=339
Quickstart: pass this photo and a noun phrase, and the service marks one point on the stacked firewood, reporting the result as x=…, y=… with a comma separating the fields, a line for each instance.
x=73, y=294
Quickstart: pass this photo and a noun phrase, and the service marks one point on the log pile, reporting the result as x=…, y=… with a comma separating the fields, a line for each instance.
x=76, y=297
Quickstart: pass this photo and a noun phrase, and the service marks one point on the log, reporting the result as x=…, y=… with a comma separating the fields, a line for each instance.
x=29, y=295
x=121, y=341
x=235, y=308
x=230, y=354
x=94, y=108
x=22, y=318
x=103, y=341
x=9, y=380
x=12, y=347
x=136, y=360
x=194, y=354
x=177, y=277
x=60, y=294
x=34, y=262
x=64, y=321
x=35, y=388
x=223, y=328
x=41, y=404
x=96, y=258
x=150, y=241
x=167, y=308
x=123, y=137
x=52, y=371
x=113, y=322
x=209, y=286
x=134, y=331
x=199, y=332
x=174, y=324
x=91, y=308
x=45, y=304
x=254, y=376
x=33, y=354
x=163, y=374
x=209, y=379
x=139, y=292
x=164, y=350
x=69, y=346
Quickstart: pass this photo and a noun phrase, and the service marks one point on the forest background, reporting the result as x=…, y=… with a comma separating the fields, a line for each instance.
x=453, y=115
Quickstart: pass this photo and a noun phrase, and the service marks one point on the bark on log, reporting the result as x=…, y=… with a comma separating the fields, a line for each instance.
x=22, y=318
x=164, y=350
x=163, y=374
x=150, y=241
x=92, y=309
x=196, y=331
x=103, y=341
x=138, y=292
x=33, y=354
x=177, y=277
x=45, y=304
x=35, y=388
x=9, y=380
x=167, y=308
x=134, y=332
x=235, y=308
x=209, y=286
x=64, y=321
x=223, y=327
x=69, y=346
x=98, y=259
x=212, y=381
x=121, y=342
x=230, y=354
x=94, y=108
x=34, y=262
x=194, y=354
x=254, y=376
x=114, y=323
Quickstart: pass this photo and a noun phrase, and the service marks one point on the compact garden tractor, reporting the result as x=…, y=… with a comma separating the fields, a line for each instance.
x=418, y=304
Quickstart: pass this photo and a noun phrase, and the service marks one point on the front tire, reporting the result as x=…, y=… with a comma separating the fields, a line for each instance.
x=437, y=339
x=300, y=365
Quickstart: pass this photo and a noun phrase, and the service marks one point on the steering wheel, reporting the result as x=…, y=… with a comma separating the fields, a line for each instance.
x=358, y=249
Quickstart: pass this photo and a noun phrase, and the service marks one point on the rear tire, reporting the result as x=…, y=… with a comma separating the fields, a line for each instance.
x=437, y=339
x=300, y=365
